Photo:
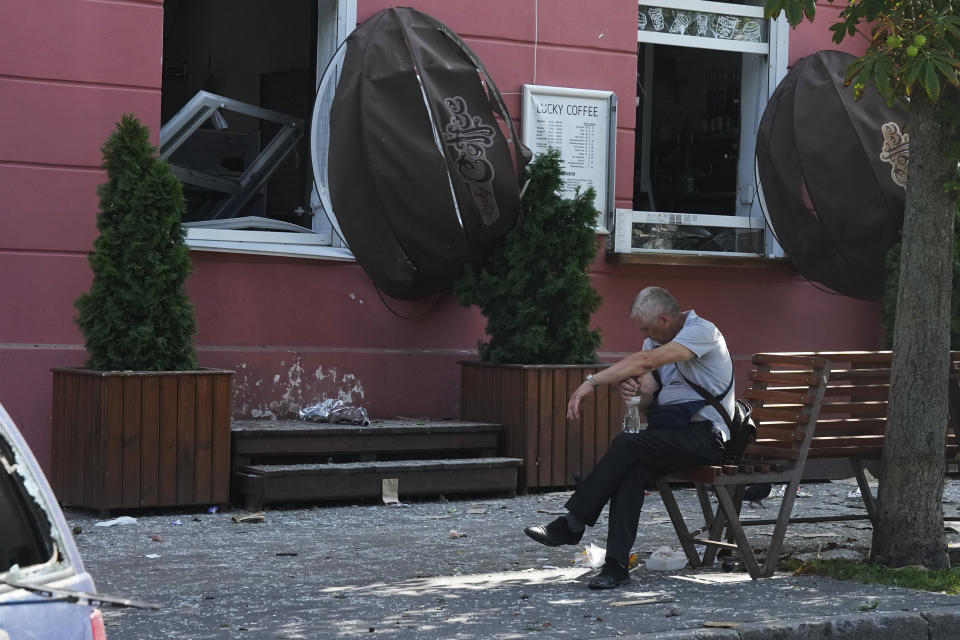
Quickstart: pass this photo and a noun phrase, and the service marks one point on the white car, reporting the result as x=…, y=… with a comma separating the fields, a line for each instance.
x=45, y=592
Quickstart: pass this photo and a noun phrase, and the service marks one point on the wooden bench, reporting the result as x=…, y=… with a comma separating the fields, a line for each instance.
x=848, y=424
x=787, y=392
x=853, y=416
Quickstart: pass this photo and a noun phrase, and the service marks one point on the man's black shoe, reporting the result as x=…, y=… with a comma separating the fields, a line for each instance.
x=554, y=534
x=612, y=575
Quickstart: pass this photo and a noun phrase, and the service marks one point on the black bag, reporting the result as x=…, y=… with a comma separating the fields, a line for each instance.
x=743, y=431
x=743, y=428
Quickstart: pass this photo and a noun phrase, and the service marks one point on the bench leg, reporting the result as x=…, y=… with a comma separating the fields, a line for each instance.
x=683, y=534
x=865, y=492
x=705, y=505
x=730, y=512
x=715, y=533
x=780, y=528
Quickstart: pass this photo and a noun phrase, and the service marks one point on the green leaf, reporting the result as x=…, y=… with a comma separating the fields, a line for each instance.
x=772, y=9
x=930, y=81
x=794, y=12
x=947, y=67
x=882, y=80
x=911, y=71
x=810, y=9
x=855, y=68
x=839, y=32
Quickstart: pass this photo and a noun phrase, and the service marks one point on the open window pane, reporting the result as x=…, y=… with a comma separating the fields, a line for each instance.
x=691, y=149
x=263, y=60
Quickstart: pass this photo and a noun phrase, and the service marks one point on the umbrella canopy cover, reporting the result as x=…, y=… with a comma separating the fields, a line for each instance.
x=833, y=174
x=424, y=162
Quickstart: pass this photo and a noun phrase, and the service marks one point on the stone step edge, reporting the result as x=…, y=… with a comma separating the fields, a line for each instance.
x=385, y=466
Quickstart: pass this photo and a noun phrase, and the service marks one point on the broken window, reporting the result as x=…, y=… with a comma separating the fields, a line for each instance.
x=24, y=528
x=239, y=80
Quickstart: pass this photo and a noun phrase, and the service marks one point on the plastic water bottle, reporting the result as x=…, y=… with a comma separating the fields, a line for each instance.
x=632, y=421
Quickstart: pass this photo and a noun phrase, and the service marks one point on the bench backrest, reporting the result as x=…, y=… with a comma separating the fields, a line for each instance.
x=786, y=392
x=853, y=413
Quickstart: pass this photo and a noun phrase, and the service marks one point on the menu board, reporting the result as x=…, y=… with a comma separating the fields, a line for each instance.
x=581, y=124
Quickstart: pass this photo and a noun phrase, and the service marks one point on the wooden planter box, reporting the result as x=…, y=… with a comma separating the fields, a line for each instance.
x=129, y=439
x=530, y=401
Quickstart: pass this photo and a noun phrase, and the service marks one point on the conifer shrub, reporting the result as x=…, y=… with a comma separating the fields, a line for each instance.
x=533, y=288
x=136, y=315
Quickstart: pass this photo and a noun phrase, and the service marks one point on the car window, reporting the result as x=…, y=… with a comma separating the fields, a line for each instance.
x=25, y=530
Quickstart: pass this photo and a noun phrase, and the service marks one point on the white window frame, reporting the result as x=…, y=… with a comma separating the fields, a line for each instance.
x=761, y=76
x=334, y=16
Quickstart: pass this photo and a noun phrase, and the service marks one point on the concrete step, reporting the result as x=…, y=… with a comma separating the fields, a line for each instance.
x=257, y=485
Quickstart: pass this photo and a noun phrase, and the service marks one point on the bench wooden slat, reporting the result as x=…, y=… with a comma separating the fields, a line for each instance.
x=846, y=375
x=828, y=442
x=858, y=357
x=778, y=396
x=858, y=391
x=760, y=450
x=771, y=414
x=866, y=409
x=870, y=453
x=853, y=426
x=787, y=431
x=792, y=359
x=783, y=378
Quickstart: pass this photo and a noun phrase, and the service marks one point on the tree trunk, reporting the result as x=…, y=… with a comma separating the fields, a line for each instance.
x=909, y=527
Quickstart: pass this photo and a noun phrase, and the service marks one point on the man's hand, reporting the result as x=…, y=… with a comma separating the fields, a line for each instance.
x=581, y=392
x=629, y=387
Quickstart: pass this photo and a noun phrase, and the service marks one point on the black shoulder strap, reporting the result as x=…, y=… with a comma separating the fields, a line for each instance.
x=712, y=400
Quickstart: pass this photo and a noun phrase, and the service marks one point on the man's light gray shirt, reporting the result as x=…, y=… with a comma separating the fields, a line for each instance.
x=711, y=368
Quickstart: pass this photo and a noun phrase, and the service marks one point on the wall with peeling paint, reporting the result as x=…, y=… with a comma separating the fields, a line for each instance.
x=298, y=330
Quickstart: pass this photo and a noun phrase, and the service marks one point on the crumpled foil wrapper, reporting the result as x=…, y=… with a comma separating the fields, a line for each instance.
x=333, y=410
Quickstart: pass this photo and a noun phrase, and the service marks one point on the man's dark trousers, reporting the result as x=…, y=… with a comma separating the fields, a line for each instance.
x=634, y=462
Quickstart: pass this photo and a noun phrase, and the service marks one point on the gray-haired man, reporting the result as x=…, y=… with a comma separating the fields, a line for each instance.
x=684, y=431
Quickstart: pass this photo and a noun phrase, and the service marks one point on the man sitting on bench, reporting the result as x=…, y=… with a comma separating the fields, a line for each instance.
x=684, y=431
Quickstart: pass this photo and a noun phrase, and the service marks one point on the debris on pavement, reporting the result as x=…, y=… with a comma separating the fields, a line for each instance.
x=335, y=410
x=457, y=534
x=592, y=555
x=251, y=517
x=116, y=521
x=390, y=491
x=660, y=599
x=667, y=559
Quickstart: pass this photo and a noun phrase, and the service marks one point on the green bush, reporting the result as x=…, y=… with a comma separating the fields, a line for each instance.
x=136, y=315
x=533, y=287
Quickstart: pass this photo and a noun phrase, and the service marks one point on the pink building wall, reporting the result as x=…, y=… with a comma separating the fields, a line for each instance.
x=295, y=330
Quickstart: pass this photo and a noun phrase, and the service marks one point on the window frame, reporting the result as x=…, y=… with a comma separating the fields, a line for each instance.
x=769, y=69
x=336, y=20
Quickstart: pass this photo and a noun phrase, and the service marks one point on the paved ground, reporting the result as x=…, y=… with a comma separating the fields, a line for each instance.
x=377, y=571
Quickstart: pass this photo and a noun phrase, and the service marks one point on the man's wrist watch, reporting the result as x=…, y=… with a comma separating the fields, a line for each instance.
x=593, y=383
